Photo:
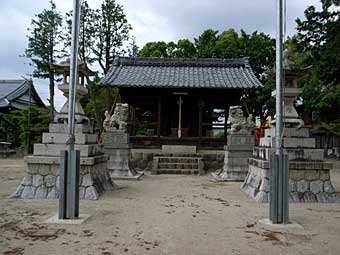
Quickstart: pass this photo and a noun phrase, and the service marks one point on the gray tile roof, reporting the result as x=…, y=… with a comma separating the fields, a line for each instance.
x=181, y=73
x=10, y=90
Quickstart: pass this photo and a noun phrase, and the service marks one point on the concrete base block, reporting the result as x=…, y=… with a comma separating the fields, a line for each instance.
x=223, y=175
x=80, y=220
x=292, y=227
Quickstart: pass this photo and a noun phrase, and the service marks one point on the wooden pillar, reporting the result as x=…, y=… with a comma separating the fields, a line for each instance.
x=159, y=113
x=200, y=118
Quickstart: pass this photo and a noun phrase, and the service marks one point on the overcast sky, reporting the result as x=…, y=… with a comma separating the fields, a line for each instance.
x=152, y=20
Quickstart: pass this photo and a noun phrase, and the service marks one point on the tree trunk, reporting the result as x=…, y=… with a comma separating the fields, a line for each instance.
x=51, y=78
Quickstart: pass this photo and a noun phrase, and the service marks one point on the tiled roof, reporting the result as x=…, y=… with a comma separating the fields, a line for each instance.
x=181, y=73
x=10, y=90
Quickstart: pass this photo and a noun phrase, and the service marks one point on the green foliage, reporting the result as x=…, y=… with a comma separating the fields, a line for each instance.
x=184, y=49
x=25, y=131
x=228, y=44
x=87, y=32
x=332, y=128
x=318, y=40
x=206, y=44
x=154, y=49
x=111, y=31
x=43, y=42
x=219, y=134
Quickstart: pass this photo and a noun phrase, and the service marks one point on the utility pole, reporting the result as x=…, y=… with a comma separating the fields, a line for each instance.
x=279, y=212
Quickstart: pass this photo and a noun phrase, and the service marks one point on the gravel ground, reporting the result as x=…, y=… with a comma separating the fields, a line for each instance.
x=162, y=215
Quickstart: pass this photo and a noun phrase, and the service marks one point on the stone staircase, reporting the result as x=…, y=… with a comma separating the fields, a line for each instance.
x=178, y=164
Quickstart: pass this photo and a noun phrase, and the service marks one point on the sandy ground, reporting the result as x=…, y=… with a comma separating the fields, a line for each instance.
x=162, y=215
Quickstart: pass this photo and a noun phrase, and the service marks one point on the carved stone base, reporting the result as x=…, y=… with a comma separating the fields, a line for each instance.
x=236, y=155
x=116, y=146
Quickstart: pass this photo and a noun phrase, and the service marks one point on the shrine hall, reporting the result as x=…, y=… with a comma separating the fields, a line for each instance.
x=179, y=101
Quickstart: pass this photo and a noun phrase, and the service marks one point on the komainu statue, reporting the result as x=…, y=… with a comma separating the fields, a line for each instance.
x=238, y=123
x=118, y=121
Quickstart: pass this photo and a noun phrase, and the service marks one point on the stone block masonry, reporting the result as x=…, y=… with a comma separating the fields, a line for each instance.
x=42, y=169
x=309, y=174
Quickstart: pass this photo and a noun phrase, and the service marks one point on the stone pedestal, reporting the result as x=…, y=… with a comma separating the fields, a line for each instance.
x=117, y=147
x=309, y=177
x=42, y=169
x=237, y=152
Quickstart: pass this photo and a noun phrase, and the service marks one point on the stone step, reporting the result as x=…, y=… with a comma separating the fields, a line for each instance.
x=178, y=160
x=178, y=166
x=178, y=155
x=177, y=171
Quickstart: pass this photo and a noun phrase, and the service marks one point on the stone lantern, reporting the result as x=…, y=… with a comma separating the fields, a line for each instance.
x=63, y=68
x=290, y=90
x=42, y=174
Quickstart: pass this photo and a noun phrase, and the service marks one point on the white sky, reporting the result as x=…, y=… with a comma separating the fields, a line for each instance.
x=151, y=20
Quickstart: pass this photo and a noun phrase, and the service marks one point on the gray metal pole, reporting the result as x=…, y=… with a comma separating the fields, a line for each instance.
x=279, y=76
x=72, y=191
x=278, y=209
x=73, y=72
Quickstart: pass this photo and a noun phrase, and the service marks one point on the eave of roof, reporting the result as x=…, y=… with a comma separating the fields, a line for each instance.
x=15, y=89
x=181, y=73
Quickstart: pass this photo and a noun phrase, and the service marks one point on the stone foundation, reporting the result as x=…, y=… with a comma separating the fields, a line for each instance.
x=305, y=183
x=42, y=169
x=309, y=175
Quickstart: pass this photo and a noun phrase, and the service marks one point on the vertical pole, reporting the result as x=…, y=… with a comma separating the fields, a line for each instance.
x=72, y=188
x=159, y=112
x=279, y=77
x=278, y=212
x=62, y=185
x=179, y=117
x=73, y=72
x=29, y=115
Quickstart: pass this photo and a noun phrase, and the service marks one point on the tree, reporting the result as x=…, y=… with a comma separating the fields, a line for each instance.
x=111, y=31
x=206, y=44
x=185, y=49
x=39, y=122
x=86, y=42
x=228, y=44
x=154, y=49
x=133, y=48
x=318, y=39
x=87, y=32
x=43, y=42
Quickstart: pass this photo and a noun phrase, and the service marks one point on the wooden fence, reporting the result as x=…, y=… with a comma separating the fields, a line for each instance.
x=322, y=140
